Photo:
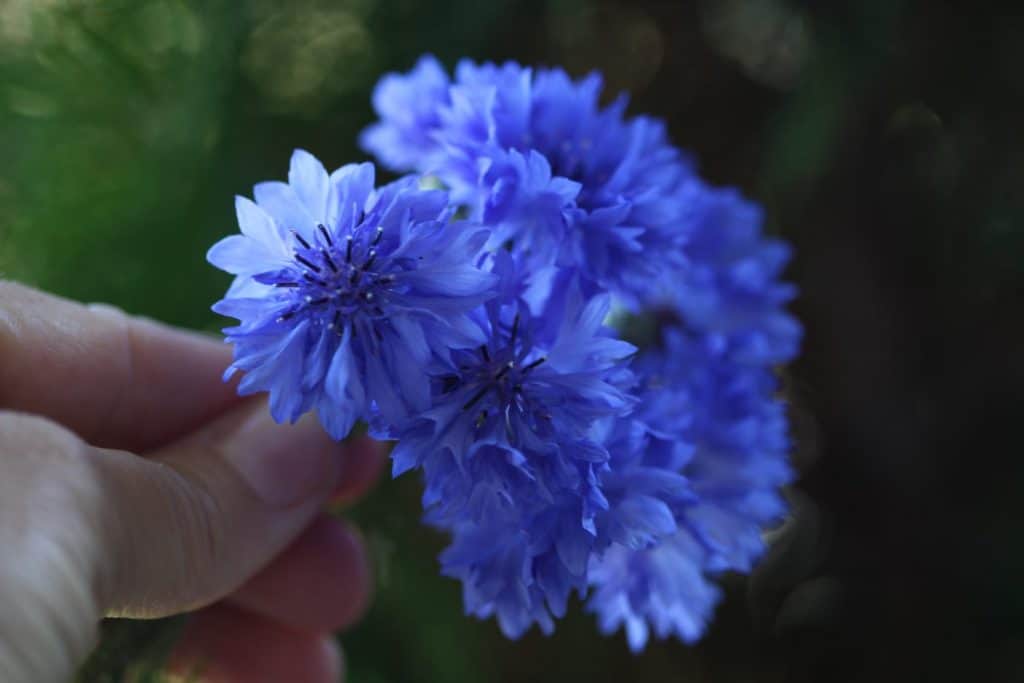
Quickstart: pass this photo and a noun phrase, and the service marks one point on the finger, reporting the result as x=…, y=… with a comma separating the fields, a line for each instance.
x=362, y=467
x=117, y=381
x=322, y=582
x=191, y=524
x=226, y=645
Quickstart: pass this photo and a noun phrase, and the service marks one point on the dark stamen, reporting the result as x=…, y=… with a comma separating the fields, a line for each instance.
x=485, y=353
x=348, y=249
x=504, y=370
x=369, y=261
x=327, y=235
x=476, y=397
x=317, y=302
x=515, y=331
x=286, y=284
x=329, y=261
x=335, y=320
x=315, y=281
x=286, y=316
x=355, y=277
x=534, y=364
x=481, y=419
x=306, y=263
x=299, y=238
x=380, y=233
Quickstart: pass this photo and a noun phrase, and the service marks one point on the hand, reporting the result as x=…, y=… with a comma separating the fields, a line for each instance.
x=223, y=509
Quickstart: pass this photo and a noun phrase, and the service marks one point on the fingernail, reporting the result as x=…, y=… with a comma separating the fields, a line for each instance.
x=285, y=464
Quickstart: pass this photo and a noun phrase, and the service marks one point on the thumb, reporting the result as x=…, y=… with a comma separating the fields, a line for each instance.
x=191, y=523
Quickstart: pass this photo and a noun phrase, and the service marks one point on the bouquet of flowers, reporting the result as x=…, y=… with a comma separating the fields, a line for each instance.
x=563, y=328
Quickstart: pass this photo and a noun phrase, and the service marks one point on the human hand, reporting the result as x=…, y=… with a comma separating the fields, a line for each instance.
x=223, y=511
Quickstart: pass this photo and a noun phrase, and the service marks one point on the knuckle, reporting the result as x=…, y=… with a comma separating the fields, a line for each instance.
x=47, y=466
x=27, y=436
x=121, y=347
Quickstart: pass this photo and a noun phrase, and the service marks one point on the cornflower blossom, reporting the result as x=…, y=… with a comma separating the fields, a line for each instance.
x=513, y=144
x=343, y=292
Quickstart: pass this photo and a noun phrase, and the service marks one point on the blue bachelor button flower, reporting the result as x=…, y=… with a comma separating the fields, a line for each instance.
x=344, y=292
x=528, y=388
x=506, y=453
x=692, y=483
x=625, y=225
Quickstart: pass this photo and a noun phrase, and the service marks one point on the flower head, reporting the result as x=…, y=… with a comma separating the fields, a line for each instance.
x=344, y=292
x=527, y=388
x=623, y=226
x=694, y=483
x=506, y=452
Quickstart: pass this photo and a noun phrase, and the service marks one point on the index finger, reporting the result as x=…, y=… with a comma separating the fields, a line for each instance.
x=117, y=381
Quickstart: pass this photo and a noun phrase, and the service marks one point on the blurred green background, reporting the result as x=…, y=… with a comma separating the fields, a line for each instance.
x=883, y=137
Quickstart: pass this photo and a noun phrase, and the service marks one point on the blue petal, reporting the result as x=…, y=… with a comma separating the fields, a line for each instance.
x=239, y=255
x=351, y=188
x=281, y=201
x=310, y=181
x=258, y=225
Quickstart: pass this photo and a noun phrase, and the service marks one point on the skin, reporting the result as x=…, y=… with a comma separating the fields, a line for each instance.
x=134, y=483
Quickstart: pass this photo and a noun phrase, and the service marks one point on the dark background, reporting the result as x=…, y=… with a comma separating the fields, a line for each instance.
x=884, y=139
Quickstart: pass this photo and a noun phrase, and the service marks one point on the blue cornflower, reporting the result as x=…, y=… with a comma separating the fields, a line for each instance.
x=506, y=452
x=344, y=292
x=527, y=390
x=710, y=387
x=697, y=473
x=622, y=229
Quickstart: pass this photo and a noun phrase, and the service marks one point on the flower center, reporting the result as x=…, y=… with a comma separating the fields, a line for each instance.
x=500, y=377
x=332, y=280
